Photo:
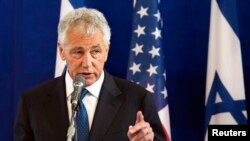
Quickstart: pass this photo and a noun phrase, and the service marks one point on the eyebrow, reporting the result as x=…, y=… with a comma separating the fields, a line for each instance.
x=78, y=48
x=96, y=46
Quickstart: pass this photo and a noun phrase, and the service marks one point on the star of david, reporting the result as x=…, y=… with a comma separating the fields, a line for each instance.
x=228, y=104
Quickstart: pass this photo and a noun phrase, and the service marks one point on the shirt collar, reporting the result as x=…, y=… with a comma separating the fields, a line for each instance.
x=93, y=89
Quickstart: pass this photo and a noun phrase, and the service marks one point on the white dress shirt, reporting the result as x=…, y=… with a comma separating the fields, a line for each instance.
x=91, y=98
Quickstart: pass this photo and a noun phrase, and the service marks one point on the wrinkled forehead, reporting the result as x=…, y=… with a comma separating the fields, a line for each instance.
x=75, y=36
x=80, y=31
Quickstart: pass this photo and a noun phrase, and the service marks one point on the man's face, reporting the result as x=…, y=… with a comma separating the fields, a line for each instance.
x=85, y=55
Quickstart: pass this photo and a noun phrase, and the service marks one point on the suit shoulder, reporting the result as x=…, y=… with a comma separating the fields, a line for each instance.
x=124, y=84
x=44, y=87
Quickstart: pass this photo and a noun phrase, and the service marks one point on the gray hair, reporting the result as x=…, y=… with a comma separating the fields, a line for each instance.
x=91, y=21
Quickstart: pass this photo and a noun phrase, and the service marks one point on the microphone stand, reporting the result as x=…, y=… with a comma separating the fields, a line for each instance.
x=78, y=84
x=72, y=128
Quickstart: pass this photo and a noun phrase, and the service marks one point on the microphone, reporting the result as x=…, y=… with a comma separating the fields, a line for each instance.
x=78, y=84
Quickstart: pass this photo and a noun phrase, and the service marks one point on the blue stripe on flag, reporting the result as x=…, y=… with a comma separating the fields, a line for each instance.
x=228, y=9
x=77, y=3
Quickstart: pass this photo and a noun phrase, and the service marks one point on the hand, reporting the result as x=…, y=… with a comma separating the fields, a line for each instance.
x=141, y=131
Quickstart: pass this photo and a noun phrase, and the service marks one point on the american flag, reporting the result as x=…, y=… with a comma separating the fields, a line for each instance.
x=146, y=60
x=225, y=92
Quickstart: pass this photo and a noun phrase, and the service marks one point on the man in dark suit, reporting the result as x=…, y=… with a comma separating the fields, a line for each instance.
x=118, y=110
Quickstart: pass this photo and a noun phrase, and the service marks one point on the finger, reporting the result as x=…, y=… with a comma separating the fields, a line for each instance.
x=139, y=126
x=144, y=130
x=145, y=134
x=148, y=137
x=139, y=117
x=130, y=133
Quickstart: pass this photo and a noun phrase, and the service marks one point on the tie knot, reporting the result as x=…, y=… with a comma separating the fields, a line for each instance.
x=84, y=92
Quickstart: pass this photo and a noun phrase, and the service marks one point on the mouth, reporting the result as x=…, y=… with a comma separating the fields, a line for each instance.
x=86, y=75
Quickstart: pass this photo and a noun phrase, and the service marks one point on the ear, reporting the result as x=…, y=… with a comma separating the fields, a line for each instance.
x=107, y=52
x=61, y=51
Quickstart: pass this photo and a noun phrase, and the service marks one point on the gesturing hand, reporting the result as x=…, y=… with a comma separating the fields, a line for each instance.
x=141, y=130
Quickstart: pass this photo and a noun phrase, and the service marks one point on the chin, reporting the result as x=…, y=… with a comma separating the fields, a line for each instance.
x=88, y=83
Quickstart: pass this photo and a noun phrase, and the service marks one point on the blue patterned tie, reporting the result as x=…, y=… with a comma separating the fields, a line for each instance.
x=82, y=123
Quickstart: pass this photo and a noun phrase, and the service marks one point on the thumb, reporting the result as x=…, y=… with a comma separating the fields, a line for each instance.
x=139, y=117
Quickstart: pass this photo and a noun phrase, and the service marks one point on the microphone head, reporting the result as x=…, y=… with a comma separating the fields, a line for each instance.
x=79, y=81
x=78, y=84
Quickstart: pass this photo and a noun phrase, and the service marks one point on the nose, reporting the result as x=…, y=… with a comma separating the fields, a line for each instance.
x=86, y=60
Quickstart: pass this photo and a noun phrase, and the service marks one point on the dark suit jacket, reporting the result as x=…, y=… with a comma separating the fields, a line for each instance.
x=42, y=113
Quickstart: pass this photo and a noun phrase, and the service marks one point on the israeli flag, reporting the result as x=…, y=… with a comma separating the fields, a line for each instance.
x=225, y=93
x=66, y=6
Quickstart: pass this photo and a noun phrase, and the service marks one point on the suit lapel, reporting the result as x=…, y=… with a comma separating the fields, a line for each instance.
x=109, y=103
x=56, y=108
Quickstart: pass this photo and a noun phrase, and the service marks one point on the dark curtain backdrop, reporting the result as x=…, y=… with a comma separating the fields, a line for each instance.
x=28, y=35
